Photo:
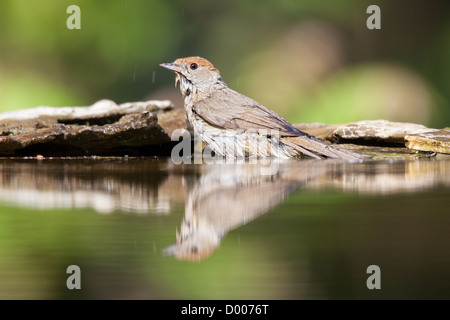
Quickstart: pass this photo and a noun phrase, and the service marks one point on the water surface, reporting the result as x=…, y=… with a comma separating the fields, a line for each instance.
x=150, y=229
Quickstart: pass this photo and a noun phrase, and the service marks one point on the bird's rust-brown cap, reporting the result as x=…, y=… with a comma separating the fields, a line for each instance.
x=198, y=60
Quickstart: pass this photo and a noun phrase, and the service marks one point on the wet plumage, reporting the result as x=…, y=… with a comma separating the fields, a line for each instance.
x=232, y=124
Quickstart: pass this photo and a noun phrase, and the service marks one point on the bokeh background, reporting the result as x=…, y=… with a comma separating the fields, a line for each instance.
x=311, y=61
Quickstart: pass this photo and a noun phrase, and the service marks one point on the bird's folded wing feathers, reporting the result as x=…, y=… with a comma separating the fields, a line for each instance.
x=235, y=111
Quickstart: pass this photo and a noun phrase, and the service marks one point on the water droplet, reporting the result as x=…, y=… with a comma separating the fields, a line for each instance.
x=237, y=82
x=153, y=76
x=134, y=73
x=182, y=12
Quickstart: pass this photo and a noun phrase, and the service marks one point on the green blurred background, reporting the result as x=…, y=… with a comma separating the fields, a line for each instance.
x=311, y=61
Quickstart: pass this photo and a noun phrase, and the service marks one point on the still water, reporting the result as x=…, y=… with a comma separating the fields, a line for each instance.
x=150, y=229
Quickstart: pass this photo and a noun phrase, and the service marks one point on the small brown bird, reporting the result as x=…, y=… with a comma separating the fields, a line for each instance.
x=232, y=124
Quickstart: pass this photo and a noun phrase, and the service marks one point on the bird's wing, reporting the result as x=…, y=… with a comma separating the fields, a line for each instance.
x=232, y=110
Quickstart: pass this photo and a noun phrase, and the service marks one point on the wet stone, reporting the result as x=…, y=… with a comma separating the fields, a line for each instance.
x=145, y=128
x=431, y=141
x=173, y=120
x=320, y=130
x=103, y=128
x=101, y=109
x=378, y=131
x=383, y=139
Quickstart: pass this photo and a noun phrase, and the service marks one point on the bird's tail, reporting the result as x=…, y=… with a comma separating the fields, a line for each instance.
x=313, y=147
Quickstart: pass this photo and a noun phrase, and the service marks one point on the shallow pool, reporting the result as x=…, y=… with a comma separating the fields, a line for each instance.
x=149, y=229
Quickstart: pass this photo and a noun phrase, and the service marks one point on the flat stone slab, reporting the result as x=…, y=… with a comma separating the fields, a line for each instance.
x=379, y=130
x=100, y=109
x=140, y=128
x=383, y=139
x=172, y=120
x=103, y=128
x=320, y=130
x=432, y=141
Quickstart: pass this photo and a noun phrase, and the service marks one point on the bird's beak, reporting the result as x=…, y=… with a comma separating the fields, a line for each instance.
x=175, y=68
x=171, y=66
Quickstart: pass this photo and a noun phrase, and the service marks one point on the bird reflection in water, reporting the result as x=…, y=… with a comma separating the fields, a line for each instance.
x=221, y=198
x=227, y=196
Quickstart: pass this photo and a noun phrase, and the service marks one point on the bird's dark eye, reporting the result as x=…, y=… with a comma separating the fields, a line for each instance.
x=193, y=66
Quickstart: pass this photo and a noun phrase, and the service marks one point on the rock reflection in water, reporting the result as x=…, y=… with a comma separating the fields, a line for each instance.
x=104, y=185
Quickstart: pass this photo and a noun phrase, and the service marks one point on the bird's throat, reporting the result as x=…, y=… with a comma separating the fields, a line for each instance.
x=186, y=86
